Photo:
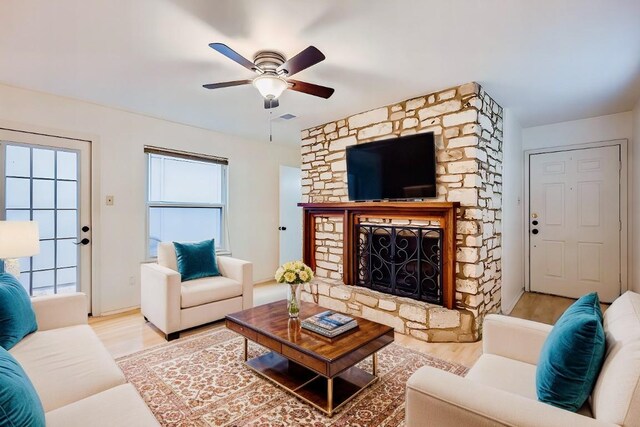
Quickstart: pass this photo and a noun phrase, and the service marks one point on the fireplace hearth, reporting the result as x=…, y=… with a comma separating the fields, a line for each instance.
x=400, y=260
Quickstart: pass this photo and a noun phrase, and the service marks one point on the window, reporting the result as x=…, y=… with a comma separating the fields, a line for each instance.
x=186, y=198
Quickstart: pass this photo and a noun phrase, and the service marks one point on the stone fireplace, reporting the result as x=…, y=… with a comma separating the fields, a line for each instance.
x=467, y=123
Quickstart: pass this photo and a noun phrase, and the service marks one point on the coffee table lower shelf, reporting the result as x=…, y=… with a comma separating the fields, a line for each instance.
x=326, y=394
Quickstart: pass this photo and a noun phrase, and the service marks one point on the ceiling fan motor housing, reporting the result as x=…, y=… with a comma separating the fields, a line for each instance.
x=268, y=61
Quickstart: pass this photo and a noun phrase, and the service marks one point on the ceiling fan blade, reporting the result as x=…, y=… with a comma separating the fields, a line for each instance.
x=271, y=103
x=233, y=55
x=305, y=59
x=226, y=84
x=311, y=89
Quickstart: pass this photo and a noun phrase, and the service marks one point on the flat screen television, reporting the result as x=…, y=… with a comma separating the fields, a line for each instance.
x=399, y=168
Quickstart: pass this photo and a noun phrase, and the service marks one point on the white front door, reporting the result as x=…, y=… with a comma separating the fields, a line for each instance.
x=48, y=180
x=574, y=222
x=290, y=227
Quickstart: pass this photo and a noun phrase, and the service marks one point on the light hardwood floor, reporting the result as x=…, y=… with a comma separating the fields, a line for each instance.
x=127, y=333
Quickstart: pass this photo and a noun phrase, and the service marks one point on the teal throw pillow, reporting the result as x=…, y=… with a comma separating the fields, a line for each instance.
x=20, y=405
x=196, y=260
x=17, y=318
x=572, y=355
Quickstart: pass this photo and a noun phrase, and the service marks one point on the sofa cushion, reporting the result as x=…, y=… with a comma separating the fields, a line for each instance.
x=510, y=375
x=616, y=396
x=572, y=355
x=209, y=289
x=196, y=260
x=67, y=364
x=17, y=318
x=119, y=406
x=505, y=374
x=19, y=402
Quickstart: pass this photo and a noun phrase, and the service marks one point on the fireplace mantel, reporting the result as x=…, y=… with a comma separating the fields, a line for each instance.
x=351, y=214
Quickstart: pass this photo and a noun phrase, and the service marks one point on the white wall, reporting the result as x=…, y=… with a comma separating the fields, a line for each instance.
x=635, y=200
x=119, y=170
x=602, y=128
x=512, y=219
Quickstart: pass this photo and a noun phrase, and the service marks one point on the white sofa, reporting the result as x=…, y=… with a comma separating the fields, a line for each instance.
x=173, y=306
x=500, y=388
x=76, y=379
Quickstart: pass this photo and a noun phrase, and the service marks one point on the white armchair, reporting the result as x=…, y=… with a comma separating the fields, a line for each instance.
x=500, y=389
x=173, y=306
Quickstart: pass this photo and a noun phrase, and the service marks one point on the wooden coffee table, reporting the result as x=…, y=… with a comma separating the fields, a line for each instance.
x=318, y=370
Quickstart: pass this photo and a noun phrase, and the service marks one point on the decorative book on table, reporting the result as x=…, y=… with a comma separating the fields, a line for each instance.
x=329, y=323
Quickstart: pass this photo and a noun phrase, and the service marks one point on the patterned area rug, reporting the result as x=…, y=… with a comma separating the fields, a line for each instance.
x=201, y=381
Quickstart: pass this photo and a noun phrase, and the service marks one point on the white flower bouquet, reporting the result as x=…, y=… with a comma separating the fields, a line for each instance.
x=294, y=274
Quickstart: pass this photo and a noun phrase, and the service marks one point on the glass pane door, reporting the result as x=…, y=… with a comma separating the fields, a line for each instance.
x=41, y=184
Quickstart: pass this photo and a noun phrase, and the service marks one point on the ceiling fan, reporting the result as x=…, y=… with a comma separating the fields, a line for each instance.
x=273, y=71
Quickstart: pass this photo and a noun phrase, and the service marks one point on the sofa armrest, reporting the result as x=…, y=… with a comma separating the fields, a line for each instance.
x=59, y=311
x=240, y=271
x=438, y=398
x=160, y=296
x=513, y=338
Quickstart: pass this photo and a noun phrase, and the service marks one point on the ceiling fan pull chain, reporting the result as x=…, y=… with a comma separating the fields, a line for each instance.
x=270, y=126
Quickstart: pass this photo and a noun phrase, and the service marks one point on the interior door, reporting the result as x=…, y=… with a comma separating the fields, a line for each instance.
x=574, y=222
x=48, y=180
x=290, y=228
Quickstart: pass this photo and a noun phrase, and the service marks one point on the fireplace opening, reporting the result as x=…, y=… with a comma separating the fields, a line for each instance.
x=400, y=260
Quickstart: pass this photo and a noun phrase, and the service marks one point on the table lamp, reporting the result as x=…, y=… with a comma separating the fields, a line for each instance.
x=17, y=239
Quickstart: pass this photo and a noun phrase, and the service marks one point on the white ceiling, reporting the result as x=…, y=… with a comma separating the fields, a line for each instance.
x=548, y=60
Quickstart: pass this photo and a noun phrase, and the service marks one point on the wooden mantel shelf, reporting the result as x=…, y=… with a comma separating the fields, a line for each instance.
x=353, y=212
x=381, y=205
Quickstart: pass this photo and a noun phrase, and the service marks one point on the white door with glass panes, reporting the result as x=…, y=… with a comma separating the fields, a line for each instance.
x=574, y=222
x=47, y=180
x=186, y=199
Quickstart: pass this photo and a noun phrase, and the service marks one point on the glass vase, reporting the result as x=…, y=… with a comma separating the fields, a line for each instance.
x=293, y=300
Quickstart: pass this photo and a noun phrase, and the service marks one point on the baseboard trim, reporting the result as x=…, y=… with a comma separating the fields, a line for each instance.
x=507, y=308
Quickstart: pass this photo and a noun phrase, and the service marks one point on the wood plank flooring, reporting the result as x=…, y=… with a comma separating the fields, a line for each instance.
x=127, y=333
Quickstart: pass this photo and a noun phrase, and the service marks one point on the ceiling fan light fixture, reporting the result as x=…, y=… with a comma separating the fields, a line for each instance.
x=270, y=86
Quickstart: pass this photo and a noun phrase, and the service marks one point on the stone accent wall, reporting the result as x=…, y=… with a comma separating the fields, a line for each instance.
x=467, y=123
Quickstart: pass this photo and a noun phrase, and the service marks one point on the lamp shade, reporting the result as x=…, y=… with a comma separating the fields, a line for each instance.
x=270, y=87
x=19, y=239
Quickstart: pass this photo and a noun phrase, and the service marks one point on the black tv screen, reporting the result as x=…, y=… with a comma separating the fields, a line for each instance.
x=400, y=168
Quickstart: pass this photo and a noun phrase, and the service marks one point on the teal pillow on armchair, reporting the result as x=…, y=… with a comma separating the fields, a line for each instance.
x=572, y=355
x=17, y=318
x=196, y=260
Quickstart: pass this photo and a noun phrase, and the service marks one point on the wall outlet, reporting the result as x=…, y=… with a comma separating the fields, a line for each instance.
x=109, y=200
x=339, y=268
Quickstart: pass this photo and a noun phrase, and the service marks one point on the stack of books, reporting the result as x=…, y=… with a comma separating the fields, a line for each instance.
x=329, y=323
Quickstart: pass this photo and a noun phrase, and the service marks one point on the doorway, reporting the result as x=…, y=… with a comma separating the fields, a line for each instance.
x=48, y=180
x=575, y=222
x=290, y=227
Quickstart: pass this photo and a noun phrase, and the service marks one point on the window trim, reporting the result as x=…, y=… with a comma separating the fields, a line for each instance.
x=224, y=248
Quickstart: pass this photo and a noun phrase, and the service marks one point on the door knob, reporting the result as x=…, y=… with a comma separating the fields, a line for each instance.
x=85, y=228
x=535, y=231
x=83, y=242
x=282, y=228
